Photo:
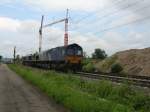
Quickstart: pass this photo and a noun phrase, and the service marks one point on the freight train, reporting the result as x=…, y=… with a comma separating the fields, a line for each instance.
x=61, y=58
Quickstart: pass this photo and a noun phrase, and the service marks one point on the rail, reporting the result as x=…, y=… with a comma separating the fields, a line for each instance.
x=119, y=79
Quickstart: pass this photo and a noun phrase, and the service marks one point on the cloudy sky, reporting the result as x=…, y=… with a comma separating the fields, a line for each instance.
x=112, y=25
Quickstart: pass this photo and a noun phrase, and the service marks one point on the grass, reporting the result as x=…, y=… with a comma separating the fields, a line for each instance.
x=80, y=95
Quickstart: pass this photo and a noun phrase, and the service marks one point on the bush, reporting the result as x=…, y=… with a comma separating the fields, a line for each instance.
x=86, y=61
x=105, y=65
x=116, y=68
x=89, y=67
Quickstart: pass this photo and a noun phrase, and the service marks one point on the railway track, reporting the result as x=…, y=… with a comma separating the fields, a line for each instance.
x=143, y=82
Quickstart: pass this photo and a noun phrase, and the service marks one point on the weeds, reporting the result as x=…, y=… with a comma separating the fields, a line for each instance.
x=85, y=96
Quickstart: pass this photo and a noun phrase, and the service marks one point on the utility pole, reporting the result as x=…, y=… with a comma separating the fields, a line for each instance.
x=40, y=34
x=66, y=29
x=14, y=54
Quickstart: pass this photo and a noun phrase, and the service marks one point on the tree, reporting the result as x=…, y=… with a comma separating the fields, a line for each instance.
x=85, y=55
x=18, y=57
x=99, y=54
x=0, y=59
x=116, y=68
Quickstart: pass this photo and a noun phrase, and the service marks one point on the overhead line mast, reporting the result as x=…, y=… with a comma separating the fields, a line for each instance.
x=55, y=22
x=40, y=34
x=14, y=54
x=66, y=29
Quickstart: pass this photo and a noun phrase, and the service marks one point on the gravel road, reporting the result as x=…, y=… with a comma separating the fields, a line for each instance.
x=16, y=95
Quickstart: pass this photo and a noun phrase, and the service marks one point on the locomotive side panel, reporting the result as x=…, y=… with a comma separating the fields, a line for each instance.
x=58, y=54
x=44, y=56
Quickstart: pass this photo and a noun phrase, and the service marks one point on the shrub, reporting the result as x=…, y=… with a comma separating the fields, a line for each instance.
x=116, y=68
x=86, y=61
x=89, y=67
x=105, y=65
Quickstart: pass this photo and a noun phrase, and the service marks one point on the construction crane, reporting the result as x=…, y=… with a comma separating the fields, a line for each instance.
x=53, y=23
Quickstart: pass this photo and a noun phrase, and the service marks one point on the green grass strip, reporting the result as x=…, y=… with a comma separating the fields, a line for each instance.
x=75, y=94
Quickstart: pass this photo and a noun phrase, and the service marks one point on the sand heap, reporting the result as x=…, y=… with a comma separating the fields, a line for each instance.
x=135, y=61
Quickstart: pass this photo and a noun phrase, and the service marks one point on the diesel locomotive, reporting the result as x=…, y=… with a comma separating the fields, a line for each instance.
x=64, y=58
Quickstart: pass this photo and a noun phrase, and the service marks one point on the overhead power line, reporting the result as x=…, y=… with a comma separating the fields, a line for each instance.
x=126, y=7
x=125, y=24
x=121, y=25
x=136, y=10
x=114, y=12
x=90, y=15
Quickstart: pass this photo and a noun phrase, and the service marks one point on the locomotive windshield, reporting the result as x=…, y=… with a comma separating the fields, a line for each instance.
x=79, y=52
x=74, y=50
x=70, y=52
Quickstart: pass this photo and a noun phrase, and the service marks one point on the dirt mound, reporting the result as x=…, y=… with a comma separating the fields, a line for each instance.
x=135, y=61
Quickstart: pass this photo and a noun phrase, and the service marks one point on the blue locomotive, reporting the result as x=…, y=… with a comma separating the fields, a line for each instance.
x=64, y=57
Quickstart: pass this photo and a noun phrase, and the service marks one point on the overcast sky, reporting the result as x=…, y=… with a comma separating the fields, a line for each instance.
x=112, y=25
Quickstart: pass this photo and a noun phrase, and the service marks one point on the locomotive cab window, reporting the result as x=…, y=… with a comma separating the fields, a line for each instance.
x=79, y=52
x=70, y=52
